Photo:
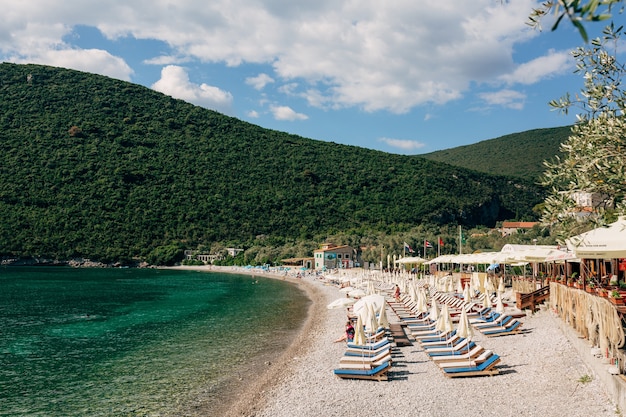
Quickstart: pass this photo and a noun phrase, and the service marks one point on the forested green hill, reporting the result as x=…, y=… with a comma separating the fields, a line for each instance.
x=101, y=168
x=518, y=154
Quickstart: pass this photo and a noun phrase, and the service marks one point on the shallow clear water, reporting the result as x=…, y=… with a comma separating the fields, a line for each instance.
x=104, y=342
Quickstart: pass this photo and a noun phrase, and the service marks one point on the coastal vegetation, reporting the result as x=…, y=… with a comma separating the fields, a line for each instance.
x=105, y=169
x=592, y=160
x=500, y=155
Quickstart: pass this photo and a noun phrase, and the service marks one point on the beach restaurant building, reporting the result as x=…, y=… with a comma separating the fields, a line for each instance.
x=330, y=256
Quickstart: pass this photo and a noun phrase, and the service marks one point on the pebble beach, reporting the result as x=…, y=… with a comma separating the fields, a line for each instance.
x=540, y=374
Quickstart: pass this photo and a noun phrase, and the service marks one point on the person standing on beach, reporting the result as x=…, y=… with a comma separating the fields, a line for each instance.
x=396, y=294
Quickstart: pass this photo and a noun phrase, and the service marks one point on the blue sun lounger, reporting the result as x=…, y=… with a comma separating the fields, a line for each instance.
x=379, y=373
x=442, y=337
x=488, y=367
x=370, y=346
x=452, y=352
x=367, y=352
x=487, y=318
x=512, y=328
x=496, y=323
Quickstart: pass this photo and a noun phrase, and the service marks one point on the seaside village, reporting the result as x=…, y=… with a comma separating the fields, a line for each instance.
x=444, y=304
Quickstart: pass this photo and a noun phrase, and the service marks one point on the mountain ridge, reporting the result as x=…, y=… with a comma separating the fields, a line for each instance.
x=107, y=169
x=502, y=155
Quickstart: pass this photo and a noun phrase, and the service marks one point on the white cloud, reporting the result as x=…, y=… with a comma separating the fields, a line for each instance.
x=260, y=81
x=175, y=82
x=404, y=144
x=289, y=89
x=253, y=114
x=374, y=55
x=505, y=98
x=89, y=60
x=286, y=113
x=166, y=60
x=540, y=68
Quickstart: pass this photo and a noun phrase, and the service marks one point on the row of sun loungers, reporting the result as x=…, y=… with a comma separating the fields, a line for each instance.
x=460, y=357
x=456, y=356
x=370, y=361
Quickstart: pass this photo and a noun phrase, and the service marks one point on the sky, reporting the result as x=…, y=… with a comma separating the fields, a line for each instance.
x=402, y=76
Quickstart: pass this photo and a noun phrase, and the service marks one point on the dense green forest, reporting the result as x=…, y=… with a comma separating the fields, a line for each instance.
x=518, y=154
x=100, y=168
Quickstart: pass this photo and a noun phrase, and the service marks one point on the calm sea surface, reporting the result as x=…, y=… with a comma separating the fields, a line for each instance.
x=135, y=342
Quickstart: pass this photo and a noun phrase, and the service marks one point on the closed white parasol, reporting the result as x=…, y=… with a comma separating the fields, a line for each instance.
x=464, y=328
x=444, y=322
x=359, y=333
x=382, y=317
x=499, y=304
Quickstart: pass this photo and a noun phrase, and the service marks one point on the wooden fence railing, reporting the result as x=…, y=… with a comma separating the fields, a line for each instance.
x=532, y=299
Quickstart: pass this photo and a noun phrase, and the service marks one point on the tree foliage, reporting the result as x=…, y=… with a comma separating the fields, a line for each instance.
x=594, y=159
x=105, y=169
x=577, y=11
x=501, y=155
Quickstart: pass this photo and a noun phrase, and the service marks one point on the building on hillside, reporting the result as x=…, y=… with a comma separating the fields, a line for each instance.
x=208, y=258
x=204, y=257
x=588, y=202
x=234, y=251
x=508, y=228
x=330, y=256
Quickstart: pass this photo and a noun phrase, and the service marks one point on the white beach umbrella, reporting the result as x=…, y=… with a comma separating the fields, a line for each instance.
x=450, y=287
x=467, y=293
x=434, y=311
x=341, y=303
x=487, y=301
x=359, y=334
x=346, y=290
x=415, y=293
x=382, y=317
x=475, y=282
x=501, y=285
x=376, y=300
x=444, y=322
x=420, y=304
x=499, y=304
x=371, y=324
x=464, y=328
x=459, y=286
x=489, y=288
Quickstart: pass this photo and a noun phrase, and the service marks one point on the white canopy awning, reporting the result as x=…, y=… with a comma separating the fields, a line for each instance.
x=562, y=256
x=602, y=243
x=411, y=260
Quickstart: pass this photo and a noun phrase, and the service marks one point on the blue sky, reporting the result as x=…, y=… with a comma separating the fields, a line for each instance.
x=402, y=77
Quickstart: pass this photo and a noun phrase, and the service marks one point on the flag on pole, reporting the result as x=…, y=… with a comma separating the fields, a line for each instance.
x=408, y=248
x=440, y=242
x=427, y=244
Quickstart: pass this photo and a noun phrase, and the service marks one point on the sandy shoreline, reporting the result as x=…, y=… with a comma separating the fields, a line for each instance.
x=540, y=375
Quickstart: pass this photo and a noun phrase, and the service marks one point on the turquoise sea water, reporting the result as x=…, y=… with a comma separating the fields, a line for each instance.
x=134, y=342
